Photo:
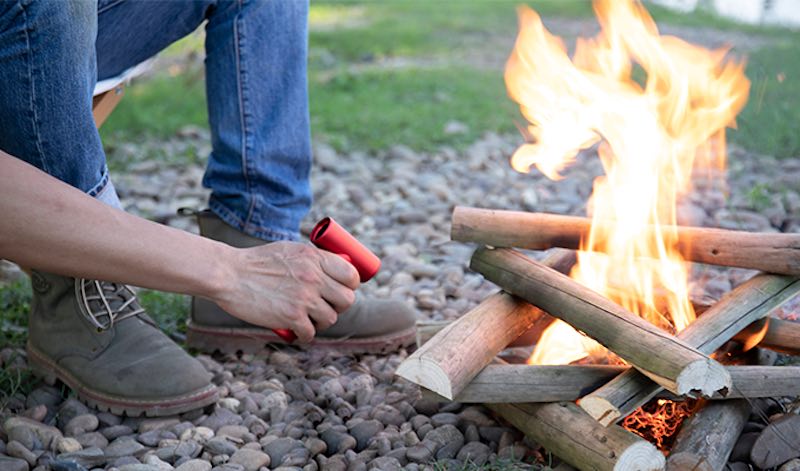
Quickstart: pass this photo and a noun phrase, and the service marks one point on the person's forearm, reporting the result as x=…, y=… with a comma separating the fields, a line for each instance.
x=50, y=226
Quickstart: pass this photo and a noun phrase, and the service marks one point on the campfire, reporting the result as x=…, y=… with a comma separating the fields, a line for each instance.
x=621, y=341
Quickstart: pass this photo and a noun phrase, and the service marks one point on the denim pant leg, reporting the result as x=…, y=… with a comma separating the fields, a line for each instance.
x=47, y=64
x=256, y=53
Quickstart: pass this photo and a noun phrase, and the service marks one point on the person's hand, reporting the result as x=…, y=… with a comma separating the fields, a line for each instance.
x=288, y=285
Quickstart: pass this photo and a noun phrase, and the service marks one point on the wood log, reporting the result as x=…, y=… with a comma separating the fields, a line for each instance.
x=569, y=433
x=706, y=439
x=449, y=361
x=662, y=357
x=750, y=301
x=775, y=334
x=549, y=383
x=767, y=252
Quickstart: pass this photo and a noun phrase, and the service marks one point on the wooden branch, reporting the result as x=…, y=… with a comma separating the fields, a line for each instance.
x=707, y=437
x=750, y=301
x=569, y=433
x=774, y=334
x=449, y=361
x=665, y=359
x=768, y=252
x=547, y=383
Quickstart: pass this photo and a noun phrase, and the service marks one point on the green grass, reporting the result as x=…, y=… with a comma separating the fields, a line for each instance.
x=168, y=310
x=358, y=103
x=15, y=299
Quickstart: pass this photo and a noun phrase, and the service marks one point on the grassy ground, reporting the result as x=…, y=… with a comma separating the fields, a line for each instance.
x=398, y=72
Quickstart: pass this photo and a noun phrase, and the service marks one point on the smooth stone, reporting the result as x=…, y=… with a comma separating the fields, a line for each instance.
x=69, y=409
x=445, y=435
x=194, y=465
x=792, y=465
x=444, y=418
x=228, y=467
x=116, y=431
x=13, y=464
x=68, y=445
x=151, y=438
x=148, y=425
x=365, y=431
x=337, y=442
x=221, y=417
x=137, y=467
x=46, y=433
x=316, y=446
x=154, y=460
x=58, y=465
x=87, y=457
x=26, y=436
x=419, y=454
x=385, y=463
x=474, y=452
x=251, y=460
x=123, y=446
x=81, y=424
x=220, y=446
x=92, y=440
x=279, y=448
x=17, y=450
x=188, y=448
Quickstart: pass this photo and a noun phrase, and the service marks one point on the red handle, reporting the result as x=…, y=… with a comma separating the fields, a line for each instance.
x=329, y=235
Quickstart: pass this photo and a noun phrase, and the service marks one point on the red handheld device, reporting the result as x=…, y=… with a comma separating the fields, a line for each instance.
x=330, y=236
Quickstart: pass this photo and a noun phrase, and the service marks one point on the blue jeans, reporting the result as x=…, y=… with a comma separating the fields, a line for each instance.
x=52, y=52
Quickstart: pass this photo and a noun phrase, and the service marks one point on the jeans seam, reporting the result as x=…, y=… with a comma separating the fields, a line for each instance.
x=109, y=6
x=240, y=88
x=29, y=55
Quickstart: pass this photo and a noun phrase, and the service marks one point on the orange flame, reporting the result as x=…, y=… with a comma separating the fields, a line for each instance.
x=651, y=137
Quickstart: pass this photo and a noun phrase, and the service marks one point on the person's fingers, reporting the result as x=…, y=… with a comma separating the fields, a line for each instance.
x=322, y=314
x=340, y=270
x=340, y=297
x=304, y=329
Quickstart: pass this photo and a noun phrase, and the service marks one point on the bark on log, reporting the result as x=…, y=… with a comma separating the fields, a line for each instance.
x=529, y=383
x=707, y=437
x=768, y=252
x=665, y=359
x=449, y=361
x=750, y=301
x=569, y=433
x=779, y=335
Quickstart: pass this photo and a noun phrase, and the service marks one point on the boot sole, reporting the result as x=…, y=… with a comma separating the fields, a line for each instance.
x=252, y=340
x=50, y=372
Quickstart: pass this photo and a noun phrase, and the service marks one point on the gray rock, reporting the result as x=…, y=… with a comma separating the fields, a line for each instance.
x=228, y=467
x=46, y=434
x=92, y=440
x=444, y=418
x=154, y=460
x=17, y=450
x=57, y=465
x=68, y=445
x=475, y=452
x=188, y=448
x=316, y=446
x=13, y=464
x=123, y=446
x=250, y=460
x=194, y=465
x=420, y=454
x=89, y=457
x=116, y=431
x=138, y=467
x=280, y=448
x=365, y=431
x=221, y=417
x=220, y=446
x=26, y=436
x=81, y=424
x=157, y=424
x=337, y=442
x=70, y=409
x=150, y=438
x=444, y=435
x=385, y=463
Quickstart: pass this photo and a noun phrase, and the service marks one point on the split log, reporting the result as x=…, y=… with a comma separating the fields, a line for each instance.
x=662, y=357
x=707, y=437
x=449, y=361
x=569, y=433
x=768, y=252
x=548, y=383
x=774, y=334
x=750, y=301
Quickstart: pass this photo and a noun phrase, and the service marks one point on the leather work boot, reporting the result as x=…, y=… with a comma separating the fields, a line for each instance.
x=369, y=326
x=95, y=337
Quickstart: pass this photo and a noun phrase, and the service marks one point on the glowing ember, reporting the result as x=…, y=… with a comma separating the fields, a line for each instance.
x=659, y=420
x=651, y=137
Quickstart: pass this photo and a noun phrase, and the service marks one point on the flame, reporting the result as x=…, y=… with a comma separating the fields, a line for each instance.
x=650, y=134
x=660, y=420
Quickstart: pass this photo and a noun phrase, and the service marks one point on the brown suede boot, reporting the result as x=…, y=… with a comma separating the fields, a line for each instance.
x=95, y=337
x=369, y=326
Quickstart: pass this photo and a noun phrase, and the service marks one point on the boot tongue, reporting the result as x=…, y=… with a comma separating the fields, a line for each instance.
x=108, y=303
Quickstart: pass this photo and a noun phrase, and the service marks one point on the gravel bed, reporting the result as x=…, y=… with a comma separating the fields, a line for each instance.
x=292, y=409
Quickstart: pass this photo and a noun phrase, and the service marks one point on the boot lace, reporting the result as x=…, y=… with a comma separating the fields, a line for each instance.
x=106, y=303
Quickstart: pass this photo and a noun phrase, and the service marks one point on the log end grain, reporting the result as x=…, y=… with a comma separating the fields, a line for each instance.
x=705, y=378
x=686, y=460
x=427, y=374
x=641, y=456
